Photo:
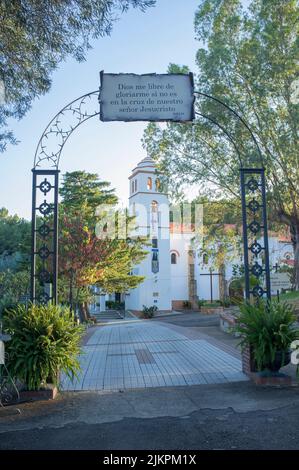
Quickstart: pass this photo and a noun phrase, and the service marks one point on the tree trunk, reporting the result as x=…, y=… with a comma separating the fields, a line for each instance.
x=83, y=312
x=222, y=283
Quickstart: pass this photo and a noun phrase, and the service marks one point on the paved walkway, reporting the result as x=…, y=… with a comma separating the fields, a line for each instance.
x=151, y=354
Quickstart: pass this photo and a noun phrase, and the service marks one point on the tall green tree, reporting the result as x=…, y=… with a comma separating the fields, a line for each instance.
x=249, y=59
x=83, y=192
x=37, y=35
x=15, y=241
x=87, y=254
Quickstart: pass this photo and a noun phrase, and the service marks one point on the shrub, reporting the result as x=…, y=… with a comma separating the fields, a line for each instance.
x=148, y=312
x=201, y=303
x=268, y=327
x=44, y=342
x=111, y=304
x=224, y=303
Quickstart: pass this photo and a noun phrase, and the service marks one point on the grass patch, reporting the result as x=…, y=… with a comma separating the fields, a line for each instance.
x=292, y=295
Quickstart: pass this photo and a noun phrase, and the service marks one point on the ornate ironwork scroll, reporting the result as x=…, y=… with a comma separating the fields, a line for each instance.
x=44, y=254
x=58, y=131
x=255, y=232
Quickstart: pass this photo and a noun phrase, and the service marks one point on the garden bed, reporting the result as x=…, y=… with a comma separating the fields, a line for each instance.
x=206, y=310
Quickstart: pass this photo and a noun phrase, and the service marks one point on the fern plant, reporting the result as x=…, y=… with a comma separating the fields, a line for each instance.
x=268, y=328
x=45, y=341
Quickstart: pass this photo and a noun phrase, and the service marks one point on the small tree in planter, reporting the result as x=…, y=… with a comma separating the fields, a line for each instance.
x=267, y=328
x=44, y=342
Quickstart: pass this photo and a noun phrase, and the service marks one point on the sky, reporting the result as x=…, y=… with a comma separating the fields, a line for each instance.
x=139, y=43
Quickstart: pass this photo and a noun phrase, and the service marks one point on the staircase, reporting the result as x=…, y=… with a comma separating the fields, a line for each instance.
x=108, y=316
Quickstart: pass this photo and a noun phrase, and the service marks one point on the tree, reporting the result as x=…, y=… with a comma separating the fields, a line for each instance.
x=83, y=192
x=15, y=241
x=12, y=286
x=87, y=257
x=35, y=36
x=249, y=60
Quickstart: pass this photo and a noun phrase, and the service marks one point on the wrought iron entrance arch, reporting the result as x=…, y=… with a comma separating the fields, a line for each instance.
x=254, y=211
x=44, y=250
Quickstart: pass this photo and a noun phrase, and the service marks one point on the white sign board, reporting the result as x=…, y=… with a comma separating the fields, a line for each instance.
x=280, y=281
x=149, y=97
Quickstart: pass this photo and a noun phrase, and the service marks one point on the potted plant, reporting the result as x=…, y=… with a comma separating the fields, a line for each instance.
x=44, y=342
x=267, y=328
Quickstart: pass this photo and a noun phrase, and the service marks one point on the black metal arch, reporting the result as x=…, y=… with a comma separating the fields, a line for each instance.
x=228, y=135
x=77, y=111
x=44, y=258
x=238, y=116
x=44, y=249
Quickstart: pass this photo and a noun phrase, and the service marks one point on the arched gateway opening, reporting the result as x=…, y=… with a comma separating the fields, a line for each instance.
x=129, y=97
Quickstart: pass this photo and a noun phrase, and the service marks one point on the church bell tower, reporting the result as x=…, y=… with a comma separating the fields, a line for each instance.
x=150, y=206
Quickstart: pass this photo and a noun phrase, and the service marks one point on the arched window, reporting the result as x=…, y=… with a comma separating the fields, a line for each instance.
x=149, y=183
x=154, y=206
x=173, y=258
x=158, y=184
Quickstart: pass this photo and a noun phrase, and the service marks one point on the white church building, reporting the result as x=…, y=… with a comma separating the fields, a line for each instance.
x=173, y=271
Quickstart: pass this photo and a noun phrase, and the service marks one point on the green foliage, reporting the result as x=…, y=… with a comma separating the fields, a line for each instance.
x=89, y=254
x=148, y=312
x=268, y=327
x=12, y=287
x=15, y=238
x=113, y=305
x=201, y=303
x=82, y=193
x=44, y=343
x=248, y=58
x=36, y=36
x=225, y=302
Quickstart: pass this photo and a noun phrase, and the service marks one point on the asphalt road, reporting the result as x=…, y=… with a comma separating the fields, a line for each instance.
x=192, y=319
x=229, y=416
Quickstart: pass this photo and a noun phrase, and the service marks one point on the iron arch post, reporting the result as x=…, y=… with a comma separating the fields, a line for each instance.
x=254, y=213
x=45, y=174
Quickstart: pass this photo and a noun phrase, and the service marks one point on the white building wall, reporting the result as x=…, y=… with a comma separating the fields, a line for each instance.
x=179, y=244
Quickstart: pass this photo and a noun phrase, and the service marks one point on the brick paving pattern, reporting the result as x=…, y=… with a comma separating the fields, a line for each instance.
x=148, y=354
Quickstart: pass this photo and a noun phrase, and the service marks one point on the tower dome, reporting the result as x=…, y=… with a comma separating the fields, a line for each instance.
x=147, y=162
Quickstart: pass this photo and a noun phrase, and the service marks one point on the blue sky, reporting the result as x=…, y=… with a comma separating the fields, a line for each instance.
x=139, y=43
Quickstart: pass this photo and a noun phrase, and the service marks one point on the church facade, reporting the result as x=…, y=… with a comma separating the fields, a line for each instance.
x=174, y=271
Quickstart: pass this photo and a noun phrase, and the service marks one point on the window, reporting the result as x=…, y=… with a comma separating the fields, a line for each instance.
x=154, y=206
x=173, y=258
x=132, y=186
x=135, y=186
x=155, y=262
x=157, y=184
x=155, y=243
x=149, y=183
